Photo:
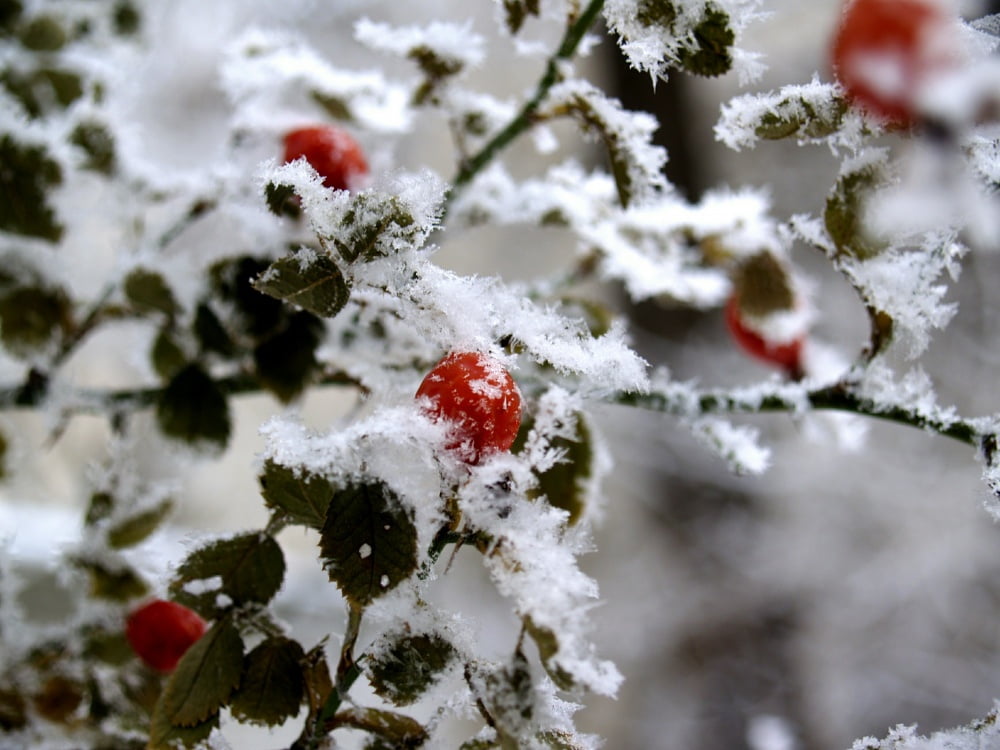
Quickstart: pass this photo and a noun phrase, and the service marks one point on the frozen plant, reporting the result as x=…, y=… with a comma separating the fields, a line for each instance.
x=245, y=273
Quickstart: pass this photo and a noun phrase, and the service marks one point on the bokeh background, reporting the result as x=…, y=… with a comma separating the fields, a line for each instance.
x=854, y=586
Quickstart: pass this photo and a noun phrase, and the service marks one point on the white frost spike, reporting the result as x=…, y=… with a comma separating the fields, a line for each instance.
x=448, y=41
x=737, y=444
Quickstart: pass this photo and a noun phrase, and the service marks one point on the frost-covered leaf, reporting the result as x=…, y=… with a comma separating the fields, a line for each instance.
x=147, y=291
x=271, y=688
x=309, y=279
x=375, y=226
x=844, y=213
x=547, y=642
x=698, y=37
x=405, y=665
x=203, y=680
x=517, y=11
x=368, y=541
x=565, y=481
x=812, y=111
x=440, y=49
x=229, y=572
x=263, y=67
x=42, y=90
x=133, y=529
x=763, y=285
x=97, y=144
x=193, y=408
x=636, y=163
x=302, y=496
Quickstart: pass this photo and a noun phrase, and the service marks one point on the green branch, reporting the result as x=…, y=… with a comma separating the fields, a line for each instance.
x=525, y=117
x=686, y=402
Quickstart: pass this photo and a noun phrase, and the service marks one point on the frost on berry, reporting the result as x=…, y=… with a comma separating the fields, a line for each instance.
x=476, y=394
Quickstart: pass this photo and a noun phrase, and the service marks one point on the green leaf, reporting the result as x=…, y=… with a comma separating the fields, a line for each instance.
x=843, y=215
x=548, y=646
x=517, y=11
x=41, y=90
x=316, y=673
x=125, y=18
x=763, y=285
x=30, y=317
x=336, y=107
x=315, y=285
x=565, y=485
x=211, y=334
x=205, y=677
x=26, y=175
x=713, y=38
x=97, y=143
x=250, y=567
x=193, y=408
x=232, y=280
x=402, y=672
x=13, y=710
x=4, y=448
x=132, y=530
x=799, y=116
x=374, y=227
x=114, y=584
x=107, y=645
x=301, y=496
x=282, y=200
x=100, y=507
x=10, y=13
x=368, y=542
x=656, y=13
x=43, y=33
x=166, y=354
x=286, y=361
x=147, y=292
x=272, y=687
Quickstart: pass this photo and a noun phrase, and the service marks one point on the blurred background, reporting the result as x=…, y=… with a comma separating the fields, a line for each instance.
x=854, y=586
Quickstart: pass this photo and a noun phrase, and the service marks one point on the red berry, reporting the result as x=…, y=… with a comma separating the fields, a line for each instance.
x=331, y=151
x=476, y=393
x=786, y=355
x=161, y=631
x=884, y=50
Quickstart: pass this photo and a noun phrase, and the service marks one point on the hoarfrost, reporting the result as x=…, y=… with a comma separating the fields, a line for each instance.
x=452, y=43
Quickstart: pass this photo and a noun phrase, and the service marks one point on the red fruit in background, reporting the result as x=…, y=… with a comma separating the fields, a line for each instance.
x=331, y=151
x=161, y=631
x=786, y=355
x=884, y=49
x=476, y=393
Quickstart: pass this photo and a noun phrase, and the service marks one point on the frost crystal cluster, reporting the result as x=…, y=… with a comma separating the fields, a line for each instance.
x=217, y=271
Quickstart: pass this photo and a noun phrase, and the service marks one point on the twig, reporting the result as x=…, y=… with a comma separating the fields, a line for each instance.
x=523, y=119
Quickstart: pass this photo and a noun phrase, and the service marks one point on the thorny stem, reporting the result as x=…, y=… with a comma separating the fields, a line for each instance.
x=525, y=117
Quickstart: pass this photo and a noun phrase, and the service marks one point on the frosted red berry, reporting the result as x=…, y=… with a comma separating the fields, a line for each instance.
x=160, y=632
x=787, y=355
x=331, y=151
x=478, y=396
x=883, y=50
